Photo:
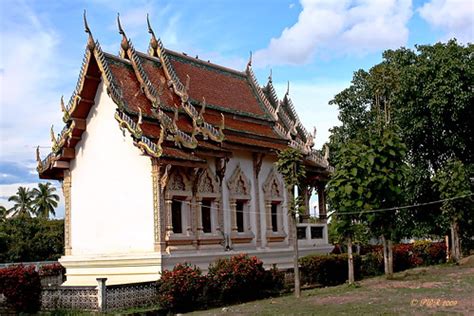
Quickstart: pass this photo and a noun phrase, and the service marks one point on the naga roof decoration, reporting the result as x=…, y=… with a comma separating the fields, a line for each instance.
x=215, y=111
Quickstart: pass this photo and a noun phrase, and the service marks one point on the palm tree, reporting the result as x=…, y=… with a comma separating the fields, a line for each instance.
x=3, y=213
x=23, y=202
x=45, y=200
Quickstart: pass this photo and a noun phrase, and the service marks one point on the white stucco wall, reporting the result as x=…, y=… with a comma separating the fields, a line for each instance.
x=111, y=193
x=246, y=165
x=267, y=165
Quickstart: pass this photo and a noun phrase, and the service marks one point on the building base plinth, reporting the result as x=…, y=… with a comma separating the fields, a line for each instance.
x=118, y=269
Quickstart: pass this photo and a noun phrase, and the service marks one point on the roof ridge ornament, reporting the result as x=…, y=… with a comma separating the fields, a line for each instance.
x=288, y=89
x=90, y=40
x=270, y=76
x=125, y=45
x=249, y=63
x=153, y=40
x=38, y=157
x=64, y=110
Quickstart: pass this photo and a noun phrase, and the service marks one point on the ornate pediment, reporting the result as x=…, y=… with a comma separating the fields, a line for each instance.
x=178, y=181
x=239, y=184
x=207, y=182
x=272, y=187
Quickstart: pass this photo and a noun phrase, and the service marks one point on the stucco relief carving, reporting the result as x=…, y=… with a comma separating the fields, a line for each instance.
x=272, y=187
x=207, y=182
x=238, y=184
x=273, y=192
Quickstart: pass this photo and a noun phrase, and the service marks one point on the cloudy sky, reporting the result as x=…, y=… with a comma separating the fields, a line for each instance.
x=314, y=44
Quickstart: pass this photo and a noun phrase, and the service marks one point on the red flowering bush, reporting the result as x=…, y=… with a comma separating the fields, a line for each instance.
x=430, y=252
x=21, y=287
x=181, y=289
x=236, y=279
x=54, y=269
x=403, y=257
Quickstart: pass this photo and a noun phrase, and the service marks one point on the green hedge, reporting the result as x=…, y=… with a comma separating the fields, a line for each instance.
x=327, y=270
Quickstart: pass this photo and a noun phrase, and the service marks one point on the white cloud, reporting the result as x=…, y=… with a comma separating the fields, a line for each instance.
x=311, y=102
x=29, y=66
x=454, y=17
x=342, y=27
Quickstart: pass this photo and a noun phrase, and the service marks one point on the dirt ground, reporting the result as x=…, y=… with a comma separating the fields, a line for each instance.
x=443, y=289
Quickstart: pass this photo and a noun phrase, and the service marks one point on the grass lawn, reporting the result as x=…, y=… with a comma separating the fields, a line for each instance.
x=441, y=290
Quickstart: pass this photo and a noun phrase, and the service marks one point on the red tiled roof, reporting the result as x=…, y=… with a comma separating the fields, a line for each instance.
x=220, y=88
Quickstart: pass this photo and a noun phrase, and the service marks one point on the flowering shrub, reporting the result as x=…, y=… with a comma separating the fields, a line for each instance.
x=238, y=278
x=430, y=253
x=181, y=289
x=21, y=287
x=327, y=269
x=54, y=269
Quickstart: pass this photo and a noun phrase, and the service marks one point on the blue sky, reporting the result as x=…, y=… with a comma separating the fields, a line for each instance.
x=316, y=45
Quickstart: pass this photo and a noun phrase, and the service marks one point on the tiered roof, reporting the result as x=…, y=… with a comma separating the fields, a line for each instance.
x=178, y=108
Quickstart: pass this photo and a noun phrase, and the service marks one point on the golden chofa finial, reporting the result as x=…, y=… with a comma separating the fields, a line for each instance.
x=249, y=63
x=90, y=40
x=153, y=40
x=38, y=157
x=203, y=107
x=124, y=44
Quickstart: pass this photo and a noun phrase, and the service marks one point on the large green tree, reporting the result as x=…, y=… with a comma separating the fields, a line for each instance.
x=368, y=176
x=458, y=206
x=22, y=202
x=45, y=200
x=25, y=239
x=427, y=93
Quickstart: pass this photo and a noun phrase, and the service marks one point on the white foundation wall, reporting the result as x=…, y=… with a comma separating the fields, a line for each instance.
x=111, y=192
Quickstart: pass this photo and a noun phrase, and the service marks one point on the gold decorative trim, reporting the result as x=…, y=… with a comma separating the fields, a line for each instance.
x=66, y=186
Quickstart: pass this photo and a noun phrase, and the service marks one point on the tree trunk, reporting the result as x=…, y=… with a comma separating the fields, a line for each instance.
x=390, y=258
x=455, y=247
x=295, y=260
x=385, y=255
x=350, y=260
x=448, y=251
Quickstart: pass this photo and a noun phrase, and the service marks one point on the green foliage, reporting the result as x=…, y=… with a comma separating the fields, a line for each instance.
x=45, y=200
x=368, y=176
x=21, y=287
x=3, y=213
x=453, y=180
x=25, y=239
x=428, y=94
x=327, y=269
x=290, y=165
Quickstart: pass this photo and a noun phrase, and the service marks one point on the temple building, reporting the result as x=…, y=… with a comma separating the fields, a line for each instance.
x=165, y=158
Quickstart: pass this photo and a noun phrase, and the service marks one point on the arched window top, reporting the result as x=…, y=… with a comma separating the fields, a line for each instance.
x=207, y=183
x=238, y=184
x=272, y=187
x=178, y=183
